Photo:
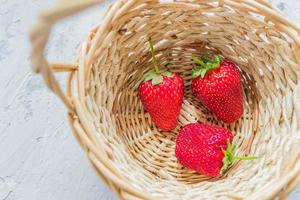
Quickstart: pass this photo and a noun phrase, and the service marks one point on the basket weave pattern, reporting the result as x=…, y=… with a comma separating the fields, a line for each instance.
x=127, y=151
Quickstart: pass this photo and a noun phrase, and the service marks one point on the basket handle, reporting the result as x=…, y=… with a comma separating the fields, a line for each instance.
x=39, y=38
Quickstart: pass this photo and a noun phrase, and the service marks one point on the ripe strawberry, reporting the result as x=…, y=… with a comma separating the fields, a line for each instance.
x=218, y=86
x=161, y=94
x=206, y=149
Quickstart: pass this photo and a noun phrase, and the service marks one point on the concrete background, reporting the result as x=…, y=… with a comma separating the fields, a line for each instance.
x=39, y=158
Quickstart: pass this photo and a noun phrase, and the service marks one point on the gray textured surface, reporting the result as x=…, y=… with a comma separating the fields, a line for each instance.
x=39, y=158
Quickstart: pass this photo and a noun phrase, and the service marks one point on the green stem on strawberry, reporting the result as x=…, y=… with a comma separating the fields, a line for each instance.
x=206, y=64
x=246, y=158
x=229, y=157
x=156, y=76
x=154, y=61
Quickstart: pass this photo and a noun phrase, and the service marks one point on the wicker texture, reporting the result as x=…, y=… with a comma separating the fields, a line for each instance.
x=127, y=151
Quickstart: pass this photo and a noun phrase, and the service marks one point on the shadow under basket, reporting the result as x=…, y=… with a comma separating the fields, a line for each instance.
x=127, y=151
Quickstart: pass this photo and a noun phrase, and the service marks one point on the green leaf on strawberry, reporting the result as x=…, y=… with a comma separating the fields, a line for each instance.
x=149, y=76
x=229, y=156
x=167, y=73
x=157, y=80
x=206, y=64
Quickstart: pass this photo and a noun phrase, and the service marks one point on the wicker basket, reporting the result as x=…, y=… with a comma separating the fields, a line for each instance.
x=124, y=147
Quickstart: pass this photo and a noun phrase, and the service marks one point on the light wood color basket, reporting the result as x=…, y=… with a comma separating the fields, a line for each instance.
x=124, y=147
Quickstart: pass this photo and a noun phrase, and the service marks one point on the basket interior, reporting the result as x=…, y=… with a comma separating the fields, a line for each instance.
x=143, y=155
x=141, y=135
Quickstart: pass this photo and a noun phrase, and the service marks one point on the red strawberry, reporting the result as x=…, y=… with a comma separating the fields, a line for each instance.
x=218, y=86
x=161, y=94
x=206, y=149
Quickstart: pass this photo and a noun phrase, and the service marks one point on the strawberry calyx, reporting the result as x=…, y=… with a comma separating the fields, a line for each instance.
x=206, y=64
x=155, y=75
x=229, y=157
